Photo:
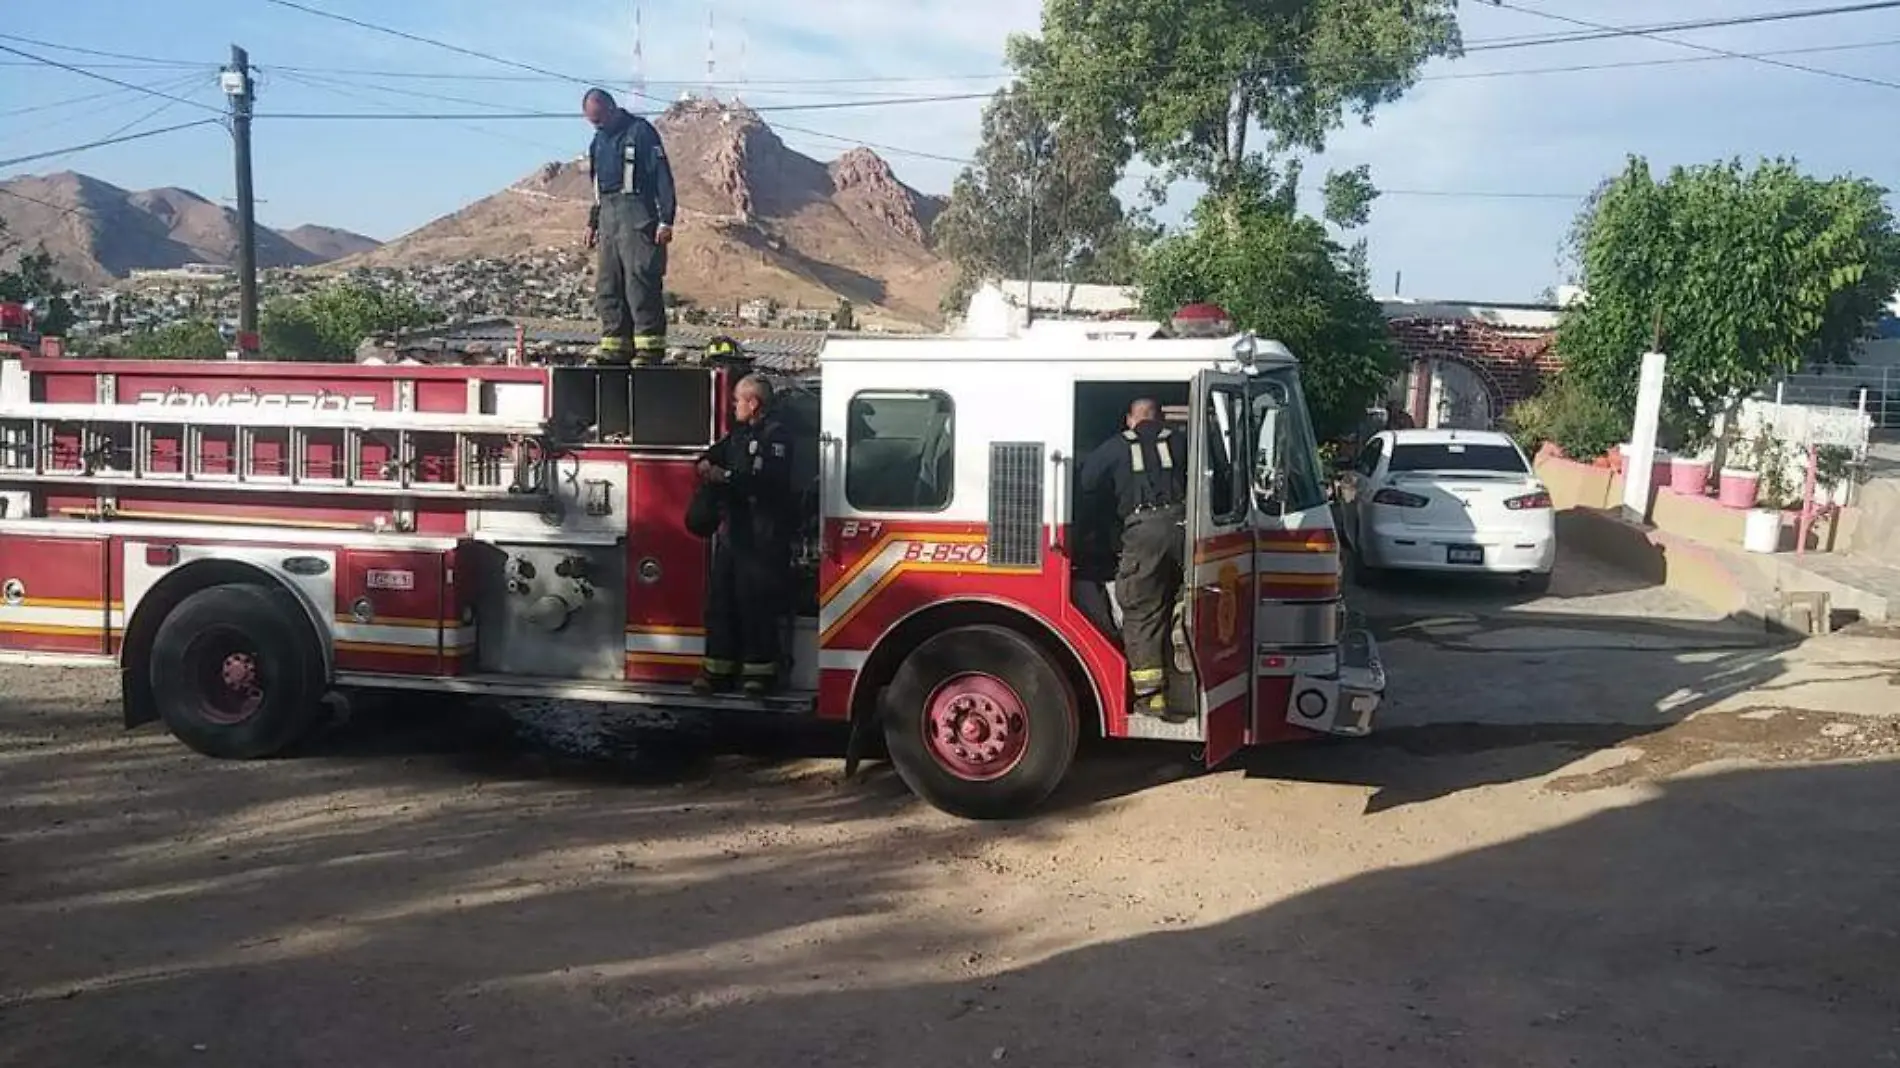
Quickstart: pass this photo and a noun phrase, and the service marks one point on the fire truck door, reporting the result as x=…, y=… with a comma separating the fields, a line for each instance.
x=1219, y=581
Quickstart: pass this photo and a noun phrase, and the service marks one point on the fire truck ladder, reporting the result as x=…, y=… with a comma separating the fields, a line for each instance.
x=380, y=453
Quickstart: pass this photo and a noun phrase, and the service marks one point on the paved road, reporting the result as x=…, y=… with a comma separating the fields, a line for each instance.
x=1546, y=860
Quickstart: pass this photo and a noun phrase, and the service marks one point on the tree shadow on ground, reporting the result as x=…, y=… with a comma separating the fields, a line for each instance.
x=1509, y=698
x=342, y=911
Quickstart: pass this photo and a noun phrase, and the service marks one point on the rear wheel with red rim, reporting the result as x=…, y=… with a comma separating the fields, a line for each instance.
x=235, y=671
x=981, y=723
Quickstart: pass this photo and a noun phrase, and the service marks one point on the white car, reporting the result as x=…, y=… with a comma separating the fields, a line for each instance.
x=1448, y=500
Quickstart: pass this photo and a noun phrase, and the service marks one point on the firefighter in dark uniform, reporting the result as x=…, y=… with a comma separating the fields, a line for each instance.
x=751, y=552
x=631, y=223
x=1146, y=467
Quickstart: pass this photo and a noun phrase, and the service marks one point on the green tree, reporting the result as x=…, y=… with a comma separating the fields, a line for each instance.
x=1033, y=171
x=1282, y=276
x=1747, y=273
x=187, y=339
x=32, y=278
x=1227, y=92
x=330, y=323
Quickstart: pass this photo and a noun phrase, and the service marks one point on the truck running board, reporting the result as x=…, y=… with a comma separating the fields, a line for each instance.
x=648, y=694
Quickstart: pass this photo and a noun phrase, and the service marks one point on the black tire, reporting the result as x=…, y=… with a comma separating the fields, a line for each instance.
x=1363, y=574
x=265, y=632
x=1537, y=584
x=1044, y=699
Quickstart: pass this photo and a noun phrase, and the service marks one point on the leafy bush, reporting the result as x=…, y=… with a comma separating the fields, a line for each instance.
x=330, y=323
x=1581, y=423
x=187, y=339
x=1529, y=421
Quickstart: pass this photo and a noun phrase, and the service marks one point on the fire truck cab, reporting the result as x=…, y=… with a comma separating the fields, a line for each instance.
x=243, y=538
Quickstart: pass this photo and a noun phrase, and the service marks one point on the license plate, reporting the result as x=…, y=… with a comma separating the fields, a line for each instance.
x=1464, y=554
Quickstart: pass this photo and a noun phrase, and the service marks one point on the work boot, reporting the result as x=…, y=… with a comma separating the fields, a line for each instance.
x=756, y=688
x=707, y=685
x=1156, y=705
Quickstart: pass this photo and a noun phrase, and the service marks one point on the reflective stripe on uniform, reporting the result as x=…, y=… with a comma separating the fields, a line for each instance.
x=1163, y=452
x=648, y=342
x=716, y=667
x=1147, y=680
x=1135, y=460
x=759, y=671
x=612, y=344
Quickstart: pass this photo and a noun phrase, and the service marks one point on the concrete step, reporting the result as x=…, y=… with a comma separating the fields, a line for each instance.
x=1780, y=592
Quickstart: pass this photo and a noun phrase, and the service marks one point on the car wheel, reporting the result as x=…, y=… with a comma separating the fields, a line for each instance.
x=1536, y=583
x=1364, y=574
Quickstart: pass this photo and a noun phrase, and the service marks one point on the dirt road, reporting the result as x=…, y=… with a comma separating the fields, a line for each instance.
x=1545, y=861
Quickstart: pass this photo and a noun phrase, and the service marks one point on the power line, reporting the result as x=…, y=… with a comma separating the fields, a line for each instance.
x=171, y=85
x=1625, y=64
x=106, y=78
x=432, y=42
x=343, y=89
x=61, y=208
x=54, y=104
x=103, y=142
x=1655, y=35
x=513, y=116
x=301, y=74
x=144, y=61
x=1591, y=32
x=163, y=106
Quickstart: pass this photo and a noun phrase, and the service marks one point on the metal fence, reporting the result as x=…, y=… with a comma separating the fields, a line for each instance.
x=1874, y=391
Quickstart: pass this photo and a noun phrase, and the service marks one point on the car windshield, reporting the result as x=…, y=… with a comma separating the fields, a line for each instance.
x=1286, y=470
x=1457, y=456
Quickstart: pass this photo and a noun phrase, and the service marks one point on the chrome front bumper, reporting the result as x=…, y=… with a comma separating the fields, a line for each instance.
x=1361, y=684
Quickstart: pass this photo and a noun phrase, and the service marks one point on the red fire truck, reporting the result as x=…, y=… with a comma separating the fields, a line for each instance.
x=243, y=538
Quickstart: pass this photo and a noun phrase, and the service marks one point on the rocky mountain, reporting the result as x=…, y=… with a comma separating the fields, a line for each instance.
x=97, y=231
x=757, y=219
x=327, y=243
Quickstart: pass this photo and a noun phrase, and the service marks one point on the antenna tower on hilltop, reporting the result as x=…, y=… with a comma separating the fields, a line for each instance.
x=639, y=56
x=712, y=52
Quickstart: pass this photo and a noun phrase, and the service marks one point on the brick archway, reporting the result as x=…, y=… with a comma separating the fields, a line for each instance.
x=1494, y=393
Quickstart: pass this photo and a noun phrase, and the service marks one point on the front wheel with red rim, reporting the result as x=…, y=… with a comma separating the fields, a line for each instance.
x=235, y=672
x=981, y=723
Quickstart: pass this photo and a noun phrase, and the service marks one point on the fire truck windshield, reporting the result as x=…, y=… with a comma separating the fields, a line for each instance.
x=1286, y=470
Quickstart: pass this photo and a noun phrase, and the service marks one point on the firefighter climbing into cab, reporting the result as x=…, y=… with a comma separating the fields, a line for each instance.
x=1145, y=467
x=752, y=546
x=631, y=223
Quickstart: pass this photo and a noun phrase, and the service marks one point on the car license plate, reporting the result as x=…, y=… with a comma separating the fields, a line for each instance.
x=1464, y=554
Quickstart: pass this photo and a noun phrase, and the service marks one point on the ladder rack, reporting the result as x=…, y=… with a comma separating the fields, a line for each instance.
x=377, y=453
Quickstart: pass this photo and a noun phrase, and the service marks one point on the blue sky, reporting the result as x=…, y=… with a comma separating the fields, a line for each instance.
x=1547, y=137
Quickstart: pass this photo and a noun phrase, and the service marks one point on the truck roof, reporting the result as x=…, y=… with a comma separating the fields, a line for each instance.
x=1065, y=347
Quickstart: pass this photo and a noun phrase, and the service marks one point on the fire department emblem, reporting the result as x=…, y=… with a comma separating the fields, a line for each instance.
x=1227, y=608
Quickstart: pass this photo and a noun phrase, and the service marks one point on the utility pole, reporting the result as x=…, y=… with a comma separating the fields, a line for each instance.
x=237, y=86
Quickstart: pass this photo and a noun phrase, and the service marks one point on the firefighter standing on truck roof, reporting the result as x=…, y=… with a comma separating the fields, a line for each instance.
x=1146, y=466
x=631, y=223
x=751, y=552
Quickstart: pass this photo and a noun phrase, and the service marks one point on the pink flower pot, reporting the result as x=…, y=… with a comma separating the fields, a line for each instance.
x=1689, y=477
x=1737, y=489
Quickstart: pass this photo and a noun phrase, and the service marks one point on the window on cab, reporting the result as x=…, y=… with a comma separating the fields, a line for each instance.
x=899, y=453
x=1458, y=456
x=1286, y=471
x=1224, y=423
